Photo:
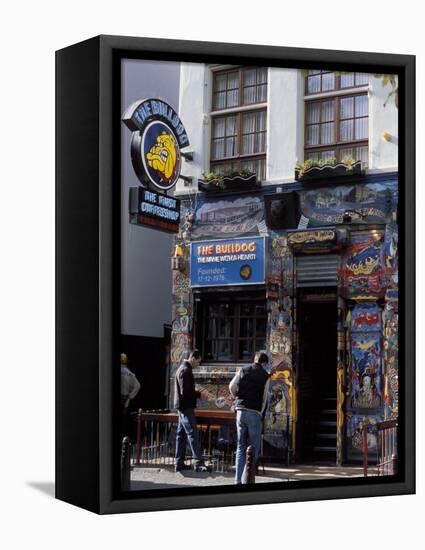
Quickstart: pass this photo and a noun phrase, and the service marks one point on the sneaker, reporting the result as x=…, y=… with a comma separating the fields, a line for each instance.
x=201, y=468
x=182, y=467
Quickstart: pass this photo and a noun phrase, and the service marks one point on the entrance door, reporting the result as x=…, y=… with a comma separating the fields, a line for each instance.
x=317, y=375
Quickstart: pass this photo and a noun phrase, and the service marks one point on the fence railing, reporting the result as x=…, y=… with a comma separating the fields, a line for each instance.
x=387, y=441
x=155, y=437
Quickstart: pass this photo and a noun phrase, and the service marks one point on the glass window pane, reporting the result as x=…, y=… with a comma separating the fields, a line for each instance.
x=232, y=80
x=231, y=126
x=346, y=129
x=249, y=95
x=248, y=144
x=260, y=327
x=328, y=111
x=219, y=126
x=361, y=128
x=261, y=121
x=220, y=82
x=362, y=79
x=313, y=84
x=348, y=152
x=247, y=309
x=233, y=98
x=218, y=149
x=231, y=147
x=260, y=143
x=222, y=350
x=262, y=75
x=327, y=155
x=220, y=100
x=248, y=123
x=346, y=108
x=347, y=80
x=262, y=93
x=313, y=133
x=328, y=81
x=361, y=103
x=225, y=327
x=249, y=77
x=246, y=327
x=313, y=113
x=327, y=133
x=245, y=351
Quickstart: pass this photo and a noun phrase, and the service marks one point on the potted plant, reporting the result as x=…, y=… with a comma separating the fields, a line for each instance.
x=313, y=169
x=229, y=180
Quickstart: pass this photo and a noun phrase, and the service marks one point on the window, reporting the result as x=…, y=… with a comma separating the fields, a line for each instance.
x=239, y=138
x=232, y=332
x=336, y=127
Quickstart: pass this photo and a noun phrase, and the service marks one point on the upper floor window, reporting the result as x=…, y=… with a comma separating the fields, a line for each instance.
x=239, y=87
x=239, y=138
x=337, y=127
x=327, y=81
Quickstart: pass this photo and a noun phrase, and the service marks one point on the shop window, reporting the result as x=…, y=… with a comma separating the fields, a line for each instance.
x=239, y=138
x=233, y=332
x=336, y=127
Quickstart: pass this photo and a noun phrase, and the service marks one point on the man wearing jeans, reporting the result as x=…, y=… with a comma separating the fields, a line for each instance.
x=249, y=387
x=185, y=403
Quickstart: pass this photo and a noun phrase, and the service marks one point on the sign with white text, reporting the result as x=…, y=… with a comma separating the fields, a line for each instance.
x=227, y=262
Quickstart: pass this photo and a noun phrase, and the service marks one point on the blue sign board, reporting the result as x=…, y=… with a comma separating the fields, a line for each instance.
x=227, y=262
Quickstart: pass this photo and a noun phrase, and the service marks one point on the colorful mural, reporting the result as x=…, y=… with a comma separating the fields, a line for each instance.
x=227, y=218
x=362, y=276
x=355, y=438
x=368, y=203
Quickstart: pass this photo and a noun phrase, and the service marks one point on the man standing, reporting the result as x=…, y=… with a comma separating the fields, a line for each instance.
x=249, y=387
x=130, y=387
x=185, y=403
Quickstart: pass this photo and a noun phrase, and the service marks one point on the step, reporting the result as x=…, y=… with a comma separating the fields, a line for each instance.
x=323, y=449
x=325, y=436
x=327, y=423
x=327, y=411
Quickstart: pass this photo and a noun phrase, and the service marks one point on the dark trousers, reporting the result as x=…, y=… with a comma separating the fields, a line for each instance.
x=187, y=431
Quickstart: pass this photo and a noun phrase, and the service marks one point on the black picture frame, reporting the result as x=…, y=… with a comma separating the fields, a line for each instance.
x=87, y=271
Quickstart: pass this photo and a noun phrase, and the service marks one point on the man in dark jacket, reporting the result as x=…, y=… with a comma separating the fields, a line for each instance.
x=249, y=387
x=185, y=403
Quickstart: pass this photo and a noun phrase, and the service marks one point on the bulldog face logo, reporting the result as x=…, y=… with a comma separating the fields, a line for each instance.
x=162, y=156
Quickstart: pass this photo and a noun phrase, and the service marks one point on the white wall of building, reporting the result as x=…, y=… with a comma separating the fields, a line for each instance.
x=285, y=123
x=383, y=119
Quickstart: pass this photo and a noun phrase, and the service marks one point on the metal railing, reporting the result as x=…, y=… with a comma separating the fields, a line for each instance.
x=387, y=441
x=156, y=439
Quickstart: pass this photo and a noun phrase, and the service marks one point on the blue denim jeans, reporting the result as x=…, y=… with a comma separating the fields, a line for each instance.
x=249, y=426
x=187, y=430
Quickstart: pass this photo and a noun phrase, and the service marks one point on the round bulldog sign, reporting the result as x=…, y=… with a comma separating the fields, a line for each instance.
x=158, y=135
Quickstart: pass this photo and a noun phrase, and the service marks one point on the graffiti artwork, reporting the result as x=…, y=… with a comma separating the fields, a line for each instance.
x=280, y=408
x=355, y=435
x=229, y=218
x=365, y=368
x=366, y=318
x=180, y=344
x=370, y=203
x=362, y=274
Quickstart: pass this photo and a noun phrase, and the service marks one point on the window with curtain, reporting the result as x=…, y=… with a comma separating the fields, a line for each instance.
x=336, y=124
x=239, y=139
x=233, y=332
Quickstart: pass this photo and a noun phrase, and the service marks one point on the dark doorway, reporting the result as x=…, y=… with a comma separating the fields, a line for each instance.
x=317, y=337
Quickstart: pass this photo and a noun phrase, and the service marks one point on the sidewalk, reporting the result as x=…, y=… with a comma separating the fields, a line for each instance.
x=164, y=477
